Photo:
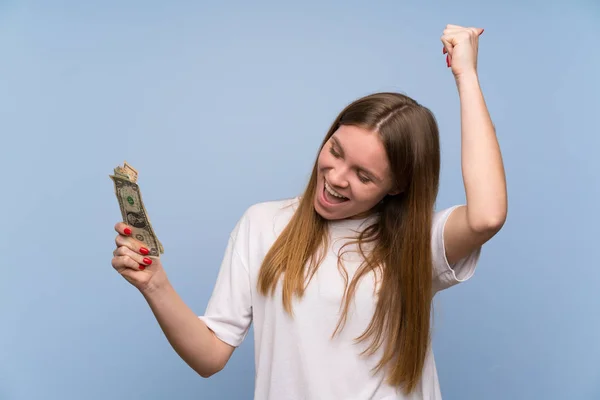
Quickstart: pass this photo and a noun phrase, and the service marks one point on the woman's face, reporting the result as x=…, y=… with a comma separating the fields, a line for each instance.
x=353, y=174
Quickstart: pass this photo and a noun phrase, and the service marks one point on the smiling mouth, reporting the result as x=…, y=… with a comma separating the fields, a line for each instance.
x=331, y=196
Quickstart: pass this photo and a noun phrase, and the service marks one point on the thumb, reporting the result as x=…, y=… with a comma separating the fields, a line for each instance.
x=479, y=31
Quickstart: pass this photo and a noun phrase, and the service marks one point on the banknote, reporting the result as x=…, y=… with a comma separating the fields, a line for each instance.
x=127, y=171
x=132, y=208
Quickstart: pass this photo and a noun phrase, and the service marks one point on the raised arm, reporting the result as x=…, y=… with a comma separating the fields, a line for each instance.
x=484, y=179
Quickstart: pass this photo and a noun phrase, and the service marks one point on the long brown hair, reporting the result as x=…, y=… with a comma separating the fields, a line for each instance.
x=401, y=251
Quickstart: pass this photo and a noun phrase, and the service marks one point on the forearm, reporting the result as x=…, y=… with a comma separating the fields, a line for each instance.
x=482, y=166
x=188, y=335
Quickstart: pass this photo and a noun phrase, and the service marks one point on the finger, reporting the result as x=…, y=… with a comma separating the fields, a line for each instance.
x=123, y=229
x=131, y=275
x=473, y=31
x=449, y=31
x=459, y=31
x=449, y=26
x=139, y=259
x=133, y=244
x=448, y=46
x=121, y=263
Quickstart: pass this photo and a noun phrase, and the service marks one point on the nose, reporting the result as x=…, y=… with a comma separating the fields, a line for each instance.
x=337, y=177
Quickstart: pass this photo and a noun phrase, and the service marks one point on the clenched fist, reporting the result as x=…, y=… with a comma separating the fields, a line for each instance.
x=461, y=45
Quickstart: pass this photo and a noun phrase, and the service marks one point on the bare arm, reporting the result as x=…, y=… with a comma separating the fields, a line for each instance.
x=188, y=335
x=483, y=172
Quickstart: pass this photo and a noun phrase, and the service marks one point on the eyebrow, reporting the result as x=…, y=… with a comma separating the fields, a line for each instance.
x=341, y=150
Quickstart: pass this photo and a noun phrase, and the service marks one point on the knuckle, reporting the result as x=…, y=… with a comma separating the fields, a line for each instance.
x=117, y=262
x=134, y=256
x=126, y=252
x=122, y=241
x=135, y=245
x=122, y=262
x=131, y=263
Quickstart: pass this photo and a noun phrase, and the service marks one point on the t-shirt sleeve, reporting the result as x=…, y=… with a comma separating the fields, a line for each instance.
x=446, y=275
x=229, y=310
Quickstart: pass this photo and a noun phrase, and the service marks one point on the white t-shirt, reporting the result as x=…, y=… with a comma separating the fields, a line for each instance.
x=296, y=357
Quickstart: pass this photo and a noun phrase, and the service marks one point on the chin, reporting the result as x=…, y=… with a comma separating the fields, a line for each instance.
x=321, y=211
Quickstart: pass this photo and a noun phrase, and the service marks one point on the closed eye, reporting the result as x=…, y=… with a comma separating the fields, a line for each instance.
x=334, y=152
x=361, y=177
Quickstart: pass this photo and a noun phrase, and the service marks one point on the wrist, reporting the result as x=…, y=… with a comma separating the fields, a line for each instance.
x=156, y=289
x=467, y=78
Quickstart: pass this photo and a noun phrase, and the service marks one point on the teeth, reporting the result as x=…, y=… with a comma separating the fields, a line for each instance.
x=333, y=192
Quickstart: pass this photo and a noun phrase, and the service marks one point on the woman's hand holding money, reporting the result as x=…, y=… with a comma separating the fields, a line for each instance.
x=132, y=260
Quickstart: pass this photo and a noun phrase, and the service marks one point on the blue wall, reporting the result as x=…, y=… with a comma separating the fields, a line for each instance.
x=223, y=106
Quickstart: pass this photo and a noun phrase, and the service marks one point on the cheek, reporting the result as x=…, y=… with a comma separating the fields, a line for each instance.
x=368, y=195
x=324, y=160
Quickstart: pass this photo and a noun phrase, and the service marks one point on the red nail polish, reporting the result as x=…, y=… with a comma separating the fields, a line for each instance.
x=147, y=261
x=142, y=267
x=482, y=31
x=127, y=231
x=448, y=61
x=144, y=251
x=444, y=51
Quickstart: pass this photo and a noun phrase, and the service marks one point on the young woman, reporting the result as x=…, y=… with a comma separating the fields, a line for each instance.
x=339, y=281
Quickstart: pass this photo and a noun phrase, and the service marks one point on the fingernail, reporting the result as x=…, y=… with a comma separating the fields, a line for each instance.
x=448, y=61
x=444, y=51
x=147, y=261
x=482, y=31
x=142, y=267
x=144, y=251
x=127, y=231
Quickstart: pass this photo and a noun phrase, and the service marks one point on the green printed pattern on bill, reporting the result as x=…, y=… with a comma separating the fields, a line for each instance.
x=132, y=208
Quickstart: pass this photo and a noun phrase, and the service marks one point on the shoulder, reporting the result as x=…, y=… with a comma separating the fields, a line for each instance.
x=259, y=227
x=270, y=209
x=441, y=216
x=270, y=215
